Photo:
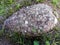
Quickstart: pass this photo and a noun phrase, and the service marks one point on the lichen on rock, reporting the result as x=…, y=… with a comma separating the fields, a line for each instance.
x=32, y=20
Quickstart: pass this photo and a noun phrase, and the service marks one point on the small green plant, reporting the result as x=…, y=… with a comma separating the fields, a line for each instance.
x=16, y=38
x=47, y=43
x=2, y=31
x=40, y=1
x=36, y=42
x=55, y=2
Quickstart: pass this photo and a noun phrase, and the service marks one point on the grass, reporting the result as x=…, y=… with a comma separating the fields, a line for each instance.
x=51, y=38
x=55, y=3
x=7, y=7
x=40, y=1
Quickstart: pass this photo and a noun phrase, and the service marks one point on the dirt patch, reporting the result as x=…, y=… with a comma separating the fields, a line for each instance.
x=4, y=41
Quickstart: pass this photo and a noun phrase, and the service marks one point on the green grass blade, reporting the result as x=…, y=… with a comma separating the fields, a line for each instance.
x=36, y=43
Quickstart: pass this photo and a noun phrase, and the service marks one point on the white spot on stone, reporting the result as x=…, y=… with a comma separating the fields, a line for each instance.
x=25, y=31
x=27, y=7
x=41, y=27
x=55, y=21
x=50, y=19
x=38, y=31
x=13, y=17
x=37, y=13
x=26, y=22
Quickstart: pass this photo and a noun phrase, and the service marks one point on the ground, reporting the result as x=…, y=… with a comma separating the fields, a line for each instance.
x=4, y=41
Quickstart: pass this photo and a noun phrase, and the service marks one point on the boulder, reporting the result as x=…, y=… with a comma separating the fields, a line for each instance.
x=32, y=20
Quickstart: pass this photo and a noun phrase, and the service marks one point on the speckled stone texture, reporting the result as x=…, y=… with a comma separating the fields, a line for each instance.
x=32, y=20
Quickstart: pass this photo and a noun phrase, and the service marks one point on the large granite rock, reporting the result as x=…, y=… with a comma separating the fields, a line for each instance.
x=32, y=20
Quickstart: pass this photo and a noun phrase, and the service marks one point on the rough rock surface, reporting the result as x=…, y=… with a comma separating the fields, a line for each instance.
x=32, y=20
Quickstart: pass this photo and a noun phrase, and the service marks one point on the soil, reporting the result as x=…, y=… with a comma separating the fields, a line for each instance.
x=4, y=41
